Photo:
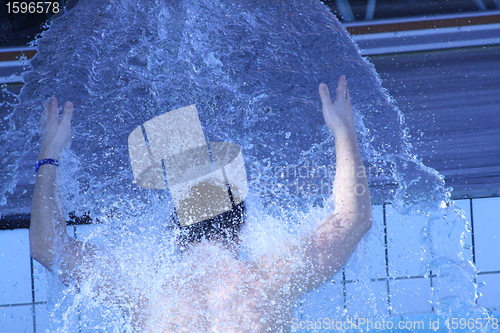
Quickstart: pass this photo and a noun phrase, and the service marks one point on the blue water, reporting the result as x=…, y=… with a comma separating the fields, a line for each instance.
x=252, y=68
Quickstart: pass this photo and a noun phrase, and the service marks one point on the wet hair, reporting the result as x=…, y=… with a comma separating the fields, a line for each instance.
x=223, y=227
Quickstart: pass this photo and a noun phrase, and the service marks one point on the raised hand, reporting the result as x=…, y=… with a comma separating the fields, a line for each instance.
x=338, y=115
x=56, y=129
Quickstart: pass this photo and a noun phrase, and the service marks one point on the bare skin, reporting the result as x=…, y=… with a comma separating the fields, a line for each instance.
x=231, y=295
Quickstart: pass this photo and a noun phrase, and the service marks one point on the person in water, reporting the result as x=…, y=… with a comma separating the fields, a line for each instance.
x=232, y=295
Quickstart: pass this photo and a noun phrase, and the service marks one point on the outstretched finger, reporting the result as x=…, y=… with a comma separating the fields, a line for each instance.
x=347, y=93
x=52, y=110
x=324, y=93
x=67, y=113
x=342, y=91
x=45, y=113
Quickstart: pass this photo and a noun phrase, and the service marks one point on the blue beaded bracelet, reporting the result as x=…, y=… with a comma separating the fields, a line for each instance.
x=46, y=161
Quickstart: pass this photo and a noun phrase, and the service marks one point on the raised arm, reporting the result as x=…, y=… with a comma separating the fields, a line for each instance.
x=50, y=245
x=337, y=236
x=314, y=258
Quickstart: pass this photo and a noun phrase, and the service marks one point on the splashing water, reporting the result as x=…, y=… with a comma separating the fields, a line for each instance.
x=252, y=68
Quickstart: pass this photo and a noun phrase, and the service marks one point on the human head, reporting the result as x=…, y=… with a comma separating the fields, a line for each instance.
x=223, y=228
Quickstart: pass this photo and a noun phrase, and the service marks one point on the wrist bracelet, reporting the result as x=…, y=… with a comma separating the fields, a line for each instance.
x=45, y=161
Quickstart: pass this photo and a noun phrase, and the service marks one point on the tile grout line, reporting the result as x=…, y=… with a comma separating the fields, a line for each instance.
x=20, y=304
x=344, y=288
x=488, y=272
x=33, y=308
x=386, y=250
x=390, y=278
x=473, y=245
x=431, y=276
